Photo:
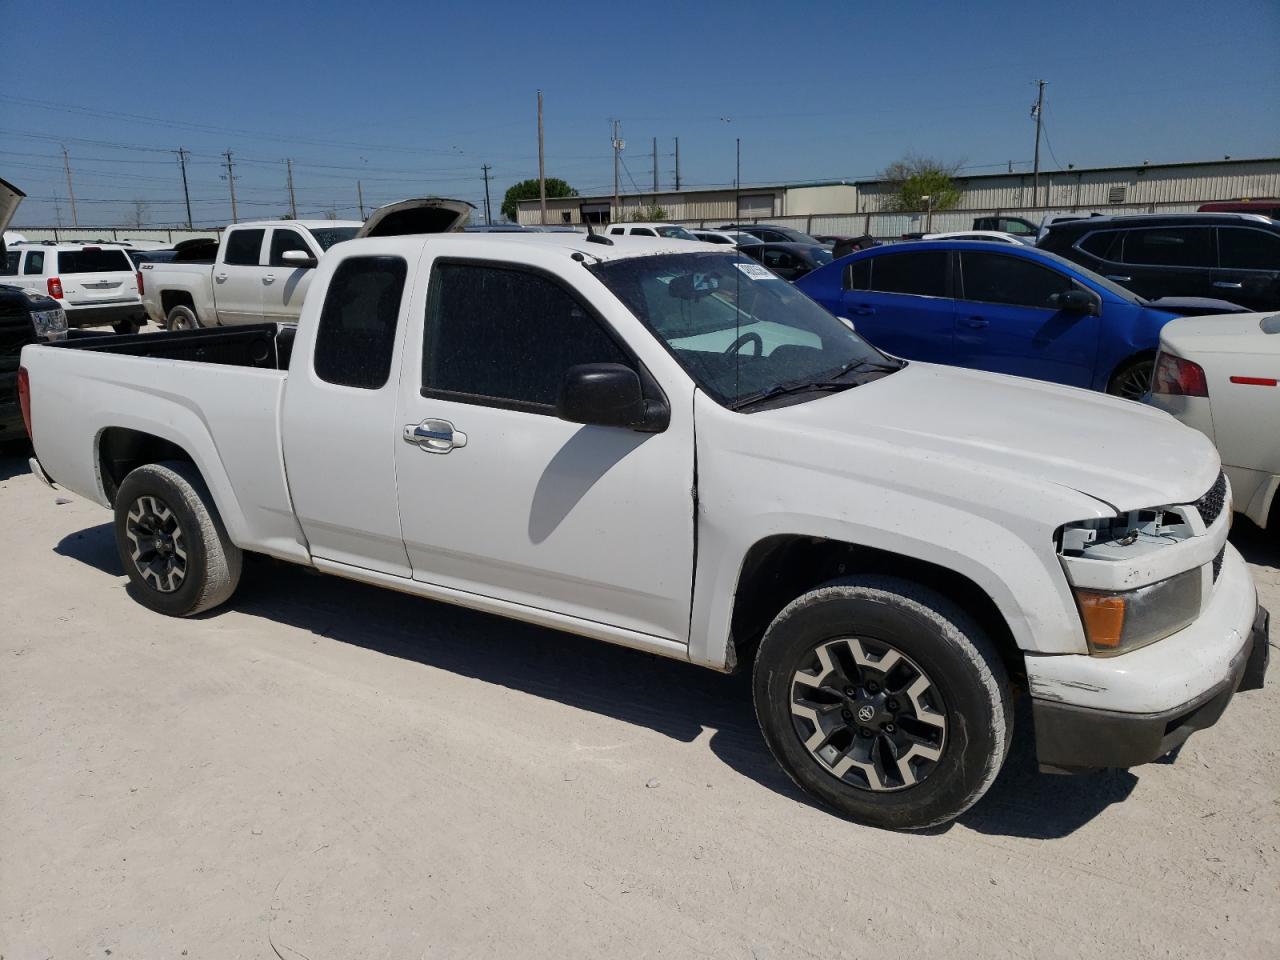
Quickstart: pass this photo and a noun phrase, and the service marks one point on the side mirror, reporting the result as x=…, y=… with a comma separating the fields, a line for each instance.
x=608, y=395
x=1074, y=301
x=298, y=258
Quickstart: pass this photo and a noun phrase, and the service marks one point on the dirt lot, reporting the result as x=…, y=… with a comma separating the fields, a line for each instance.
x=325, y=770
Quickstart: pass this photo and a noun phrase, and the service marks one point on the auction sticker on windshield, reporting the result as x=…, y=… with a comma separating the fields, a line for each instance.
x=755, y=271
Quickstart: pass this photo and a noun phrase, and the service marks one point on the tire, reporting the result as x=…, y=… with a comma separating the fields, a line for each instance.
x=172, y=542
x=182, y=317
x=127, y=326
x=904, y=762
x=1132, y=378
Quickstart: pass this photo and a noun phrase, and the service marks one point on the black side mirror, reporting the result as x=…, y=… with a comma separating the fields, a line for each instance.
x=1074, y=301
x=608, y=395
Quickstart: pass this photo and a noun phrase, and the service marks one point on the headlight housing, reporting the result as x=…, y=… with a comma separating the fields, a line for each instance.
x=50, y=324
x=1121, y=621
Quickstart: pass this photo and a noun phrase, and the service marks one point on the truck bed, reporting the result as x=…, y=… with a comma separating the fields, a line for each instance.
x=263, y=345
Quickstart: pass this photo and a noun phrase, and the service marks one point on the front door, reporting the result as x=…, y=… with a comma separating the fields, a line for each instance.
x=237, y=279
x=901, y=303
x=499, y=497
x=1007, y=321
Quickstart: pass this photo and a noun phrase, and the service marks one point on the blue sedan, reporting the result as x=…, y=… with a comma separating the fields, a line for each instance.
x=1006, y=308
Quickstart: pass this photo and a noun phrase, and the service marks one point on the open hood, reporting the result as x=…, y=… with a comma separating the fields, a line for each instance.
x=421, y=215
x=10, y=197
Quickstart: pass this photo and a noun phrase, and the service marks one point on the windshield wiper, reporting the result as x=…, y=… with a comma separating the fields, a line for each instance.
x=782, y=389
x=868, y=364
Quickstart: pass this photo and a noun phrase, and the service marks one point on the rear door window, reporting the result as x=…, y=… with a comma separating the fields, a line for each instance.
x=857, y=276
x=243, y=247
x=1105, y=244
x=995, y=278
x=34, y=262
x=922, y=274
x=1243, y=249
x=358, y=322
x=91, y=260
x=1169, y=247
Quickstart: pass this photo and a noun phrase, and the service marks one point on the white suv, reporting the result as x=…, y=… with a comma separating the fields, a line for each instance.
x=95, y=284
x=672, y=231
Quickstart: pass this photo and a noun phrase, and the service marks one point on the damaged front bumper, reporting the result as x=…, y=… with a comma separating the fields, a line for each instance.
x=1123, y=711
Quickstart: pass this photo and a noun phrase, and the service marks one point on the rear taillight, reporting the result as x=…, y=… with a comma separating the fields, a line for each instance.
x=138, y=274
x=1179, y=378
x=24, y=398
x=55, y=288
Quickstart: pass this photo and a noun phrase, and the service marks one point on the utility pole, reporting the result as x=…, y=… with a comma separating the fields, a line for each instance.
x=360, y=197
x=655, y=171
x=186, y=194
x=737, y=179
x=542, y=170
x=66, y=165
x=293, y=201
x=1037, y=111
x=617, y=152
x=231, y=182
x=488, y=215
x=677, y=163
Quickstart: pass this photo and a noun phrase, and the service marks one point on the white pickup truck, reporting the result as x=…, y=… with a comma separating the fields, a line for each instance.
x=663, y=446
x=257, y=272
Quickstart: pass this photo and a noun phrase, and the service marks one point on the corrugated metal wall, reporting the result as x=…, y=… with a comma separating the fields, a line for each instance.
x=108, y=234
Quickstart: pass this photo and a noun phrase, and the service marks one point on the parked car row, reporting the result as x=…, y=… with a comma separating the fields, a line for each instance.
x=666, y=446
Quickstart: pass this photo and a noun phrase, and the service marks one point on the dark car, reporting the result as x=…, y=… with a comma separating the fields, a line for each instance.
x=771, y=232
x=25, y=317
x=1018, y=226
x=842, y=244
x=1235, y=256
x=790, y=261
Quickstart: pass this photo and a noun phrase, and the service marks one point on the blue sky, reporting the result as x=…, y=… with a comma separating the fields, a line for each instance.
x=411, y=98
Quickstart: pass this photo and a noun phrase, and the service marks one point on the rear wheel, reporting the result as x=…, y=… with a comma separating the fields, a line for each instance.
x=884, y=700
x=127, y=326
x=1132, y=379
x=172, y=542
x=182, y=317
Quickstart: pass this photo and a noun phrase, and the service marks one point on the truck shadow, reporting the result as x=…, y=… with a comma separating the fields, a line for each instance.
x=13, y=459
x=672, y=698
x=1257, y=546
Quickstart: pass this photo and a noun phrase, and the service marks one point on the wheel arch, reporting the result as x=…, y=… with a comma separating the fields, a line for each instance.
x=177, y=298
x=781, y=567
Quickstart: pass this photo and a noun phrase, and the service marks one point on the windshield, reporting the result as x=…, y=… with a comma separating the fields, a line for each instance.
x=328, y=236
x=737, y=329
x=676, y=233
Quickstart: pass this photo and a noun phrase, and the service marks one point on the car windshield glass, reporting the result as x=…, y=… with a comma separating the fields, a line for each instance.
x=739, y=330
x=328, y=236
x=676, y=233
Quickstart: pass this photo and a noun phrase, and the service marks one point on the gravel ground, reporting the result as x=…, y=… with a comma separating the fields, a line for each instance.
x=325, y=770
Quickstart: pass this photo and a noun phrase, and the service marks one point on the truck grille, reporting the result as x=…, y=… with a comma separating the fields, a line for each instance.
x=1210, y=505
x=1217, y=563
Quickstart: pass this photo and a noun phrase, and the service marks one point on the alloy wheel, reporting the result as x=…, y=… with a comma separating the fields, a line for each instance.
x=156, y=544
x=1134, y=382
x=868, y=714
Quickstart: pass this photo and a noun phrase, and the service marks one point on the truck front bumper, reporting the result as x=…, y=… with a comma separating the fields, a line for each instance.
x=1124, y=711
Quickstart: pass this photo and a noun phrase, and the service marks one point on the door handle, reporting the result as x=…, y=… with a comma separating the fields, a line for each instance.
x=863, y=310
x=220, y=277
x=1118, y=279
x=434, y=436
x=269, y=278
x=1227, y=285
x=976, y=322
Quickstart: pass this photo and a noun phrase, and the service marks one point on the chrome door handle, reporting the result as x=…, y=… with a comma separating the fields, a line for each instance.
x=269, y=278
x=1228, y=285
x=1118, y=279
x=220, y=277
x=434, y=436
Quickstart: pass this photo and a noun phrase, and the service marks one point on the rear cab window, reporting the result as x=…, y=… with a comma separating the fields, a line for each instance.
x=357, y=329
x=93, y=260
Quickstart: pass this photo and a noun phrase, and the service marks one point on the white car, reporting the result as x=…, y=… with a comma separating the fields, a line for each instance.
x=1221, y=375
x=731, y=237
x=95, y=284
x=663, y=446
x=991, y=236
x=671, y=231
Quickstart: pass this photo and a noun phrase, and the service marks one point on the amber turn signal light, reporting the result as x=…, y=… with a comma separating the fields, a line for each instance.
x=1103, y=617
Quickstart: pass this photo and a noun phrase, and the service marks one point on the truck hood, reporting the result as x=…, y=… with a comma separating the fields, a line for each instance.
x=1241, y=333
x=10, y=197
x=420, y=215
x=1125, y=454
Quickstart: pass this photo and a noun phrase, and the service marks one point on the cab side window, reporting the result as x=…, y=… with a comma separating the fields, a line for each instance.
x=506, y=337
x=283, y=241
x=357, y=327
x=243, y=247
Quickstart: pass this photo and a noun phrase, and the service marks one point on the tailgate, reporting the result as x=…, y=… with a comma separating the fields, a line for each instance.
x=96, y=275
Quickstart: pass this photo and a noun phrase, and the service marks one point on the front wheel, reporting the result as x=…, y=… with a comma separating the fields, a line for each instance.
x=172, y=542
x=884, y=700
x=1132, y=380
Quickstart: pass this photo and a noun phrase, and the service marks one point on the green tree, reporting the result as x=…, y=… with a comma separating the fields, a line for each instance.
x=915, y=178
x=652, y=213
x=528, y=190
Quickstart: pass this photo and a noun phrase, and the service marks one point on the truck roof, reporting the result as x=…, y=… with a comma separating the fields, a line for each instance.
x=622, y=247
x=305, y=224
